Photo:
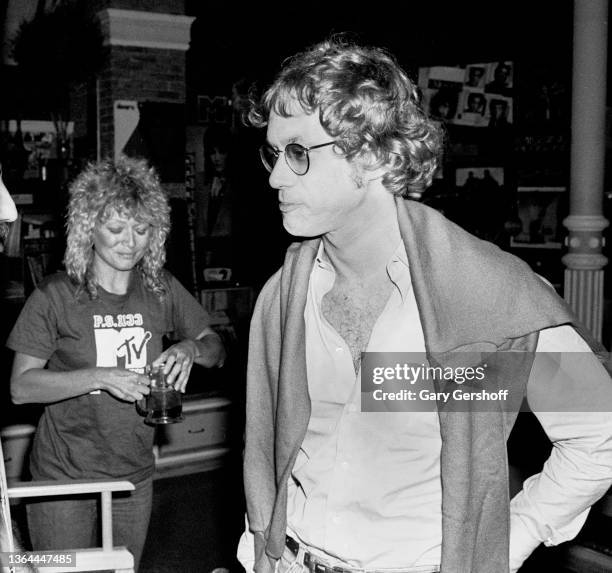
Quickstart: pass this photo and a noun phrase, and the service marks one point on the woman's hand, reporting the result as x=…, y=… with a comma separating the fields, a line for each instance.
x=177, y=361
x=32, y=383
x=122, y=384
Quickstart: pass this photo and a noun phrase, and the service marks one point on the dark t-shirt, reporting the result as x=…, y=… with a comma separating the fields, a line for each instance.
x=96, y=436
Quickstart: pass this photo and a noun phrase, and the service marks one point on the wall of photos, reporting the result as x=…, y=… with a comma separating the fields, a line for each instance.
x=478, y=95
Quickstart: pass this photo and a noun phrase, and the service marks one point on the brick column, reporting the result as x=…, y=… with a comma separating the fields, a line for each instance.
x=146, y=62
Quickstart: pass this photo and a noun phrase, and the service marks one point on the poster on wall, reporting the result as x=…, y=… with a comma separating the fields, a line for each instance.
x=478, y=95
x=482, y=178
x=214, y=109
x=126, y=116
x=500, y=78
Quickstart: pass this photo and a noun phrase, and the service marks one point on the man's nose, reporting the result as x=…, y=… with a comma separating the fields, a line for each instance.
x=8, y=211
x=281, y=175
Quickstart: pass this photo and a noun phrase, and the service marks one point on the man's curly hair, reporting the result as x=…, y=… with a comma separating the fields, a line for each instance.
x=367, y=104
x=129, y=187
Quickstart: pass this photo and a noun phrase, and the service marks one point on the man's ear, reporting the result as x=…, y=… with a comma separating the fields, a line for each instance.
x=374, y=174
x=368, y=170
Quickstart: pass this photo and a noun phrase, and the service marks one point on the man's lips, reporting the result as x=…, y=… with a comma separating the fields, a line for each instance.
x=286, y=207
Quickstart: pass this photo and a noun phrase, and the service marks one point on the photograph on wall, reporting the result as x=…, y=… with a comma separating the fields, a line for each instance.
x=441, y=104
x=482, y=178
x=38, y=141
x=478, y=94
x=476, y=76
x=472, y=109
x=499, y=111
x=500, y=78
x=214, y=202
x=438, y=77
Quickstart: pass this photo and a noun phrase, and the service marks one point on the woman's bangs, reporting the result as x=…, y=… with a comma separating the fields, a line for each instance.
x=128, y=209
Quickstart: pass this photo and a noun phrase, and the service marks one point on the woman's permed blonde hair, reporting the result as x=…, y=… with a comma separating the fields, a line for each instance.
x=129, y=187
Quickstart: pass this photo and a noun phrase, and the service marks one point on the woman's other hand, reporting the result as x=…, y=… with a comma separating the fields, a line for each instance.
x=207, y=350
x=177, y=361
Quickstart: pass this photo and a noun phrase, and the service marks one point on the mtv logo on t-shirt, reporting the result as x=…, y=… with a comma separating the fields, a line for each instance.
x=121, y=341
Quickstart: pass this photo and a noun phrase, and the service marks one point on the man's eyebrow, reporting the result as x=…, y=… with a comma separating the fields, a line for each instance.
x=293, y=139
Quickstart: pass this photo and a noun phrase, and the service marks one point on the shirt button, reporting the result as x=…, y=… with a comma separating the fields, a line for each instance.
x=339, y=349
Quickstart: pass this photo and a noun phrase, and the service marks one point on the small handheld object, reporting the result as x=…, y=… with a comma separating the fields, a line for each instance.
x=164, y=404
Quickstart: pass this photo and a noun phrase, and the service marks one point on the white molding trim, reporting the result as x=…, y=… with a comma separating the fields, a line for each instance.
x=584, y=261
x=586, y=223
x=145, y=29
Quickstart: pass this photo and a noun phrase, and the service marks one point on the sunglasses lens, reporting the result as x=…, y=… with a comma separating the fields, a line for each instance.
x=268, y=157
x=297, y=157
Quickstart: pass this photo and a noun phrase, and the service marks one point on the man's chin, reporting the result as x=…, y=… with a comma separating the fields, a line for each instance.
x=298, y=229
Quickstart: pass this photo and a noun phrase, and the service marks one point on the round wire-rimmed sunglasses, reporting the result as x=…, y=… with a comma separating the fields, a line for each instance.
x=296, y=156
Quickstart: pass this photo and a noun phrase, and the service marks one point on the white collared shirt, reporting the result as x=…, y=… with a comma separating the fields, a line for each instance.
x=366, y=486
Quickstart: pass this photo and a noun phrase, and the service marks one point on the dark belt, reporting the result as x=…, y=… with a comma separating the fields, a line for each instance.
x=315, y=565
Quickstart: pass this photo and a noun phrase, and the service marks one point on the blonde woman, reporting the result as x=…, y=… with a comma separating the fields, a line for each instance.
x=82, y=343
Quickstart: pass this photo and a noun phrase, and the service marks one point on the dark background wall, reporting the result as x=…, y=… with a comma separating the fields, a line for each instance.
x=232, y=39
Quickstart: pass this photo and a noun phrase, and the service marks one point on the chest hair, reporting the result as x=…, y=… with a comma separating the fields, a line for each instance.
x=353, y=310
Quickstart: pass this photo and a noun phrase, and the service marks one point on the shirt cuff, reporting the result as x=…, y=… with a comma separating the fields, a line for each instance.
x=522, y=542
x=246, y=550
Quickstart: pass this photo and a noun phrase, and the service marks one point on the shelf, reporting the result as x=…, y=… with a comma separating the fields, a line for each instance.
x=519, y=245
x=540, y=189
x=199, y=443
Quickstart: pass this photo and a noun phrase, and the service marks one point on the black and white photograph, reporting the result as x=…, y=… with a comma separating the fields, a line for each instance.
x=443, y=103
x=476, y=75
x=490, y=178
x=472, y=109
x=499, y=111
x=437, y=77
x=500, y=78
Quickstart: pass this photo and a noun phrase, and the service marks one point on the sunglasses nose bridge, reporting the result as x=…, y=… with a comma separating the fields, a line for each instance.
x=269, y=157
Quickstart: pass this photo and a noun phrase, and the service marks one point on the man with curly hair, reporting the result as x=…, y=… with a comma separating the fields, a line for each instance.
x=331, y=487
x=82, y=343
